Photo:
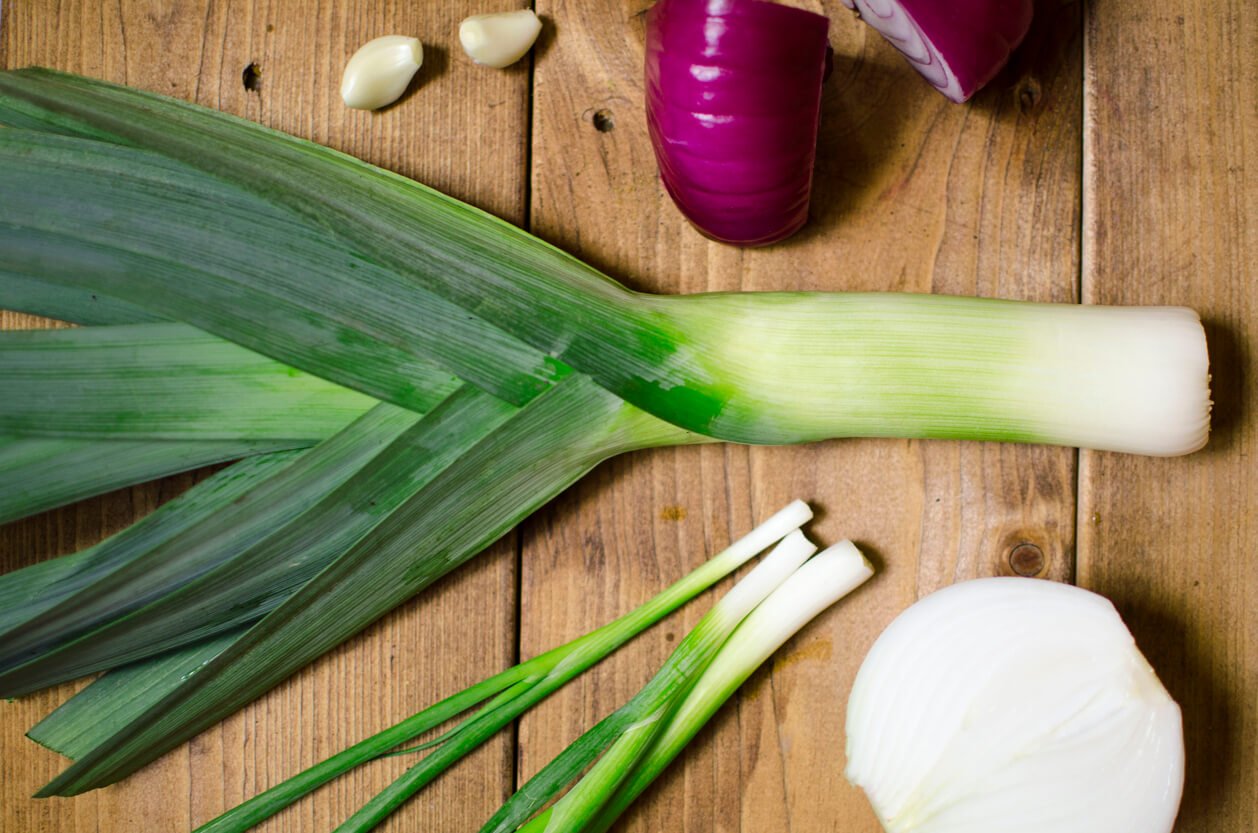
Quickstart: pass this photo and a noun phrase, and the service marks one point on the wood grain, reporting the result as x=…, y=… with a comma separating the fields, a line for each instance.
x=1171, y=190
x=198, y=51
x=1125, y=171
x=911, y=193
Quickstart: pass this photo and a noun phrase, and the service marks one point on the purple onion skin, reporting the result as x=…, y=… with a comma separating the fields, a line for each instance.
x=968, y=41
x=733, y=100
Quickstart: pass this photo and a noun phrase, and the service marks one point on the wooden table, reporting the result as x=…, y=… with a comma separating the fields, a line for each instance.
x=1107, y=165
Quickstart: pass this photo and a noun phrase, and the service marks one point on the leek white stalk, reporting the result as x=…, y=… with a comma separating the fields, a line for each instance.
x=380, y=71
x=499, y=40
x=1009, y=705
x=822, y=581
x=1133, y=379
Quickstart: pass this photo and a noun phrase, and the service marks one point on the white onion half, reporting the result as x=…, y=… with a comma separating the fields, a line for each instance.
x=1008, y=705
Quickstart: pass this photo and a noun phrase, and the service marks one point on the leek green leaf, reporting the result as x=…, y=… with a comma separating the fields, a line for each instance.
x=523, y=458
x=168, y=382
x=187, y=246
x=507, y=290
x=88, y=718
x=34, y=590
x=59, y=644
x=22, y=293
x=39, y=473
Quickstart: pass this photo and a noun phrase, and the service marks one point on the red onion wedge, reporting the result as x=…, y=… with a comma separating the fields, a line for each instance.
x=957, y=45
x=733, y=98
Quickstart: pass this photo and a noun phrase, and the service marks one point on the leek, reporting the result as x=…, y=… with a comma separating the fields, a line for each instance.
x=233, y=223
x=527, y=366
x=31, y=592
x=89, y=718
x=21, y=293
x=208, y=575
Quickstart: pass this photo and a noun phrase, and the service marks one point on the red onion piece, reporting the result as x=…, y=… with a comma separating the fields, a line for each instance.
x=957, y=45
x=733, y=98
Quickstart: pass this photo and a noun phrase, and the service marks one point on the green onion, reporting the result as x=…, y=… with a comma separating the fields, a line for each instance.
x=672, y=708
x=690, y=657
x=505, y=696
x=822, y=581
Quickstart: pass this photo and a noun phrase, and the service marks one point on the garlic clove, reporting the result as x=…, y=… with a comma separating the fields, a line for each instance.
x=499, y=40
x=379, y=72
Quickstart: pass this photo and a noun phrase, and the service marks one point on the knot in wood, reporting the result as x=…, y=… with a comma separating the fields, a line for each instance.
x=603, y=121
x=1027, y=560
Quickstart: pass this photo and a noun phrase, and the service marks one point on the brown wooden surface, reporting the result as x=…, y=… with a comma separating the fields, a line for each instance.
x=911, y=193
x=1171, y=125
x=444, y=642
x=1122, y=172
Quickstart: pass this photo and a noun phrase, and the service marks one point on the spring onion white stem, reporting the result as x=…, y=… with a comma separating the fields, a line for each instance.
x=646, y=713
x=817, y=585
x=505, y=696
x=1008, y=705
x=621, y=738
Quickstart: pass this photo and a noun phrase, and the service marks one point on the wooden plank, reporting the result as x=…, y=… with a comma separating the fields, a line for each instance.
x=198, y=51
x=911, y=193
x=1171, y=195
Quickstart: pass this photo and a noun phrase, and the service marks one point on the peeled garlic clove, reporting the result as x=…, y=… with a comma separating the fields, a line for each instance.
x=1008, y=705
x=499, y=40
x=379, y=72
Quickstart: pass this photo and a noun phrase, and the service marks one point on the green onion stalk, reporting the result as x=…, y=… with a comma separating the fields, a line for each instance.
x=667, y=720
x=631, y=722
x=505, y=696
x=822, y=581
